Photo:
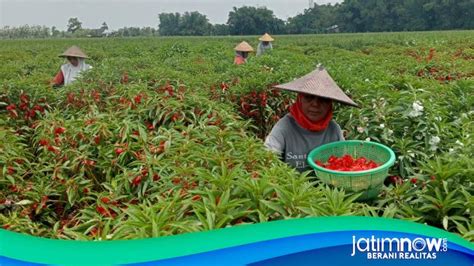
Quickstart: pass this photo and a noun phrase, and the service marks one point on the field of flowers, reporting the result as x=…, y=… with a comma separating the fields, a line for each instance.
x=164, y=135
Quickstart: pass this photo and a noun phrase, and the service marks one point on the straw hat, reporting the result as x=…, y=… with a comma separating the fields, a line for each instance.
x=74, y=51
x=318, y=83
x=244, y=47
x=266, y=38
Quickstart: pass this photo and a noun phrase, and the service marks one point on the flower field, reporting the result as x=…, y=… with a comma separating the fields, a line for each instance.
x=164, y=135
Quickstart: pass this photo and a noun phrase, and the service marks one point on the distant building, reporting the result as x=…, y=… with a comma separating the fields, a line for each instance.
x=106, y=33
x=332, y=29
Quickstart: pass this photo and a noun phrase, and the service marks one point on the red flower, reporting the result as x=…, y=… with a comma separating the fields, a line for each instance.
x=396, y=180
x=348, y=163
x=89, y=122
x=14, y=188
x=94, y=232
x=102, y=211
x=175, y=117
x=119, y=151
x=224, y=86
x=176, y=181
x=24, y=98
x=138, y=99
x=38, y=108
x=11, y=170
x=59, y=130
x=137, y=180
x=70, y=97
x=105, y=200
x=149, y=125
x=53, y=149
x=11, y=110
x=11, y=107
x=162, y=145
x=23, y=106
x=414, y=180
x=89, y=162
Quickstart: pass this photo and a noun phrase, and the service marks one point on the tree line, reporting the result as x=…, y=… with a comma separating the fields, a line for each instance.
x=348, y=16
x=74, y=30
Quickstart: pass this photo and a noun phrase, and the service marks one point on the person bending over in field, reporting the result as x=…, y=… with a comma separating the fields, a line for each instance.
x=71, y=70
x=242, y=52
x=309, y=123
x=264, y=44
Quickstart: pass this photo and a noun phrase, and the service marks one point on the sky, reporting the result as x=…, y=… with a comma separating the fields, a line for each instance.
x=131, y=13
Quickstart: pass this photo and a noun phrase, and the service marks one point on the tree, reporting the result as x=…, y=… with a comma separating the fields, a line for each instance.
x=350, y=16
x=24, y=31
x=190, y=23
x=317, y=19
x=169, y=24
x=55, y=32
x=194, y=23
x=220, y=29
x=74, y=25
x=249, y=20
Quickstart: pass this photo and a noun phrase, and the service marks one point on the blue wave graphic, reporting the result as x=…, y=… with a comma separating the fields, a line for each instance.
x=333, y=248
x=12, y=262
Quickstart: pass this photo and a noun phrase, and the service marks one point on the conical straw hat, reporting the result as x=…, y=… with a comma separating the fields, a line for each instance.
x=74, y=51
x=318, y=83
x=244, y=47
x=266, y=38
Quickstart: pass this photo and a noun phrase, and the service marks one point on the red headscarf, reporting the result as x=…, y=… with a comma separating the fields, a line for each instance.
x=297, y=113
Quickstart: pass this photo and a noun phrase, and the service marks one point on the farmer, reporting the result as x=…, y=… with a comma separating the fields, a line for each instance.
x=309, y=123
x=71, y=70
x=242, y=52
x=264, y=44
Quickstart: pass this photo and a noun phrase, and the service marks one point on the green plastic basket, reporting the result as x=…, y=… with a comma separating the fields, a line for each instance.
x=370, y=181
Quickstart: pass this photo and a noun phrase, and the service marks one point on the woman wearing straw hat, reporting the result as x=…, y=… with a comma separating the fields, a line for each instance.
x=264, y=44
x=242, y=52
x=309, y=123
x=71, y=70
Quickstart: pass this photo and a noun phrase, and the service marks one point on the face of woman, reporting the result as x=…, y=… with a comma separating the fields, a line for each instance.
x=245, y=54
x=73, y=60
x=315, y=108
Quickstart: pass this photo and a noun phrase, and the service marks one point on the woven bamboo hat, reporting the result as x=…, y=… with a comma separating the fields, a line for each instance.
x=243, y=47
x=318, y=83
x=74, y=51
x=266, y=38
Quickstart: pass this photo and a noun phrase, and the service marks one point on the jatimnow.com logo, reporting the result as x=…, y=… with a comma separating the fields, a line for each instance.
x=420, y=248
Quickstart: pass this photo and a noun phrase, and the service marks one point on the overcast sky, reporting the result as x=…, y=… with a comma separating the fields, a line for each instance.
x=138, y=13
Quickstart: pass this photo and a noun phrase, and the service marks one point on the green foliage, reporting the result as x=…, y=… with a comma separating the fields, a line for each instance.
x=73, y=25
x=249, y=20
x=189, y=23
x=165, y=137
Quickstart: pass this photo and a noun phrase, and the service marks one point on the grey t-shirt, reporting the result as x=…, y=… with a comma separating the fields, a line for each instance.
x=261, y=49
x=293, y=143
